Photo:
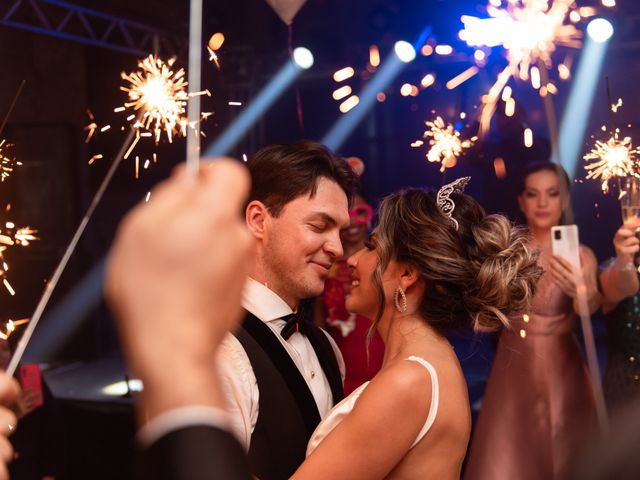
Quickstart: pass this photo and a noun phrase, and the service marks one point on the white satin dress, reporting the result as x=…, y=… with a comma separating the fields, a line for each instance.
x=342, y=409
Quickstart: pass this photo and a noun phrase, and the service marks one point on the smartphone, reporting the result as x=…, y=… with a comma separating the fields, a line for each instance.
x=565, y=243
x=31, y=378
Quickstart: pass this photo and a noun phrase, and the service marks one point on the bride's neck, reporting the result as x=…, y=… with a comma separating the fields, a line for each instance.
x=403, y=333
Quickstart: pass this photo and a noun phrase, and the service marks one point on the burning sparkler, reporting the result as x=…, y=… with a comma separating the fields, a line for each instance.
x=446, y=144
x=160, y=94
x=157, y=100
x=530, y=31
x=10, y=237
x=7, y=164
x=614, y=158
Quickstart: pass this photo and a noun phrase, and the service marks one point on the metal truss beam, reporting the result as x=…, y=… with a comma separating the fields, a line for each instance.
x=91, y=27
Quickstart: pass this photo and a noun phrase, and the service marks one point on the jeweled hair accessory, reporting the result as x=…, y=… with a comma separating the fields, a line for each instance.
x=444, y=201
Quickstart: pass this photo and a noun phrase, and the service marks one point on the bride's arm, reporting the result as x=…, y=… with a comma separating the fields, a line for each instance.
x=378, y=432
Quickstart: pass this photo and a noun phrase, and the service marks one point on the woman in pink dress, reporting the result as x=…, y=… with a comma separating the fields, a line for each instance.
x=538, y=404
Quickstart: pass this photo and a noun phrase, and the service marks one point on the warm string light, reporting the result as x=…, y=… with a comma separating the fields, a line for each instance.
x=444, y=142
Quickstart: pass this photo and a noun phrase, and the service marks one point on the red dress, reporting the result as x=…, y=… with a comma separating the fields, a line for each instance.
x=350, y=330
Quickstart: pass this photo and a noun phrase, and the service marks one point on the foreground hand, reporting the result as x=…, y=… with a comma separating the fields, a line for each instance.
x=176, y=273
x=9, y=392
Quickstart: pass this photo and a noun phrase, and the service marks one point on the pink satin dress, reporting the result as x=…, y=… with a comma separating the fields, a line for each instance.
x=538, y=406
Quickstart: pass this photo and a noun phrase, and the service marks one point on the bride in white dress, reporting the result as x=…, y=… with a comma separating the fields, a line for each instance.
x=434, y=263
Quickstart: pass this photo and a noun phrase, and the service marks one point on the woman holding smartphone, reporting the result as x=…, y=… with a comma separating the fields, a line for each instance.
x=538, y=403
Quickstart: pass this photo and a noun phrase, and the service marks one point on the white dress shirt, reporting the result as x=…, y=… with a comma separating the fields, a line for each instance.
x=239, y=381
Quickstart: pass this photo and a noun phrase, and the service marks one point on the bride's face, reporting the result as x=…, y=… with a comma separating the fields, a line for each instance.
x=363, y=298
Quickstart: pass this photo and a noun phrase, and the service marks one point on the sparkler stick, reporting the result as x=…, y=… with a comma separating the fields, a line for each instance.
x=193, y=107
x=13, y=104
x=53, y=282
x=592, y=358
x=549, y=110
x=612, y=117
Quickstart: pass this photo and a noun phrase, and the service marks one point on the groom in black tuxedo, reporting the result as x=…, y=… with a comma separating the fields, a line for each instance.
x=281, y=373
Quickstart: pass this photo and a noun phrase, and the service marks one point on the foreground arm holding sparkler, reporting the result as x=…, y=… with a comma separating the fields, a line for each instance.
x=181, y=260
x=620, y=279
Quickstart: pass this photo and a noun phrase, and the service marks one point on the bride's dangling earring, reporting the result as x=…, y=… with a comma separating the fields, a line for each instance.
x=400, y=299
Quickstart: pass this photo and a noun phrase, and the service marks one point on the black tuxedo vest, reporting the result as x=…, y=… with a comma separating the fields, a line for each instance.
x=288, y=413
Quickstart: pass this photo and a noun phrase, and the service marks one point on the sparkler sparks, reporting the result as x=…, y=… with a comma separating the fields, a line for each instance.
x=10, y=237
x=613, y=158
x=10, y=327
x=156, y=105
x=445, y=142
x=7, y=164
x=530, y=31
x=161, y=95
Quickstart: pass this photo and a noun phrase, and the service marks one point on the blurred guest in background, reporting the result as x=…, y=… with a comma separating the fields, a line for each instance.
x=621, y=307
x=538, y=403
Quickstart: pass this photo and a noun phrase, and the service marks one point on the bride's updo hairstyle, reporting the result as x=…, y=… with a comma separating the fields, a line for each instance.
x=477, y=274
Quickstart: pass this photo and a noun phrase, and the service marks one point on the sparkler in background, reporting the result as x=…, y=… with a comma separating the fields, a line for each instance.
x=7, y=164
x=160, y=94
x=614, y=157
x=445, y=142
x=530, y=32
x=10, y=237
x=157, y=99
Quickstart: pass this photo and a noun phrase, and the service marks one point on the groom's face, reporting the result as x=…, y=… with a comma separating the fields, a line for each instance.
x=304, y=241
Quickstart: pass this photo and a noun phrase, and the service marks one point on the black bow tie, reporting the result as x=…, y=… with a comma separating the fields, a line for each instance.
x=294, y=323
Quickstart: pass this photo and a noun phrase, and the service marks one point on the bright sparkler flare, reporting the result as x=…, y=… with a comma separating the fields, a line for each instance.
x=446, y=144
x=530, y=31
x=160, y=94
x=613, y=158
x=7, y=164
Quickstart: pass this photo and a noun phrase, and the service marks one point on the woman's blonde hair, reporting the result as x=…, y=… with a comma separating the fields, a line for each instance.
x=478, y=274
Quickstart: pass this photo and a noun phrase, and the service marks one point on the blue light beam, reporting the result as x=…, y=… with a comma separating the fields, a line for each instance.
x=576, y=114
x=302, y=59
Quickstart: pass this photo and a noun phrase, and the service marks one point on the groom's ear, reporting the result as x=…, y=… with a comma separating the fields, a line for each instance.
x=257, y=217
